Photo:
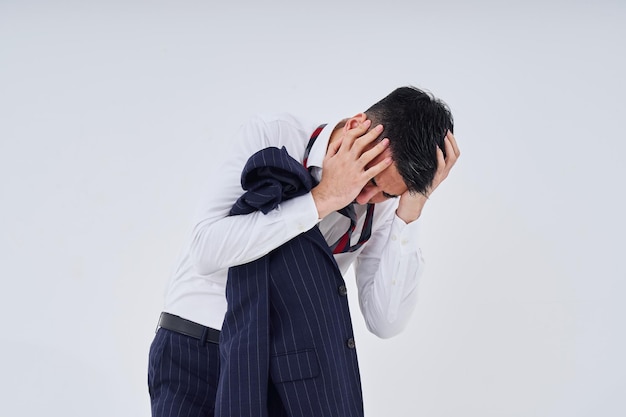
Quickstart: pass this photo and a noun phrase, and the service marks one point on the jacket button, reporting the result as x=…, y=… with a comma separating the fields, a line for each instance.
x=342, y=290
x=351, y=343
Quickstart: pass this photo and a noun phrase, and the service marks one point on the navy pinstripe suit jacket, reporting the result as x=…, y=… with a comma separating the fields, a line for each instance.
x=287, y=346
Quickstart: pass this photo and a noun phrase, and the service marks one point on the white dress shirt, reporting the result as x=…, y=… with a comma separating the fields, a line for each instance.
x=387, y=267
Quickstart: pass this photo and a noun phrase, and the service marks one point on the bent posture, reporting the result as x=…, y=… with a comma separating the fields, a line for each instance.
x=387, y=160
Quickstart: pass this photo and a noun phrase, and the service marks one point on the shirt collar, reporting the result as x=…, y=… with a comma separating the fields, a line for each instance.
x=318, y=151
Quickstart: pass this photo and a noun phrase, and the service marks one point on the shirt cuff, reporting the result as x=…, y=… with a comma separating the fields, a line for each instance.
x=299, y=213
x=407, y=234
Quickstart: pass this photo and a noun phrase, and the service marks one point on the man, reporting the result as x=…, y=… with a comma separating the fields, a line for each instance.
x=388, y=160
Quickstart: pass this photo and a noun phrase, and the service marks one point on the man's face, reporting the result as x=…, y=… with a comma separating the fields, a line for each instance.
x=387, y=184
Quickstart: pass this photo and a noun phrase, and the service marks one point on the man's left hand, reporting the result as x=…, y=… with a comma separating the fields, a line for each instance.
x=411, y=204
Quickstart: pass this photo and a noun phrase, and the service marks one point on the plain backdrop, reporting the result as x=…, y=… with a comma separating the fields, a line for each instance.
x=113, y=114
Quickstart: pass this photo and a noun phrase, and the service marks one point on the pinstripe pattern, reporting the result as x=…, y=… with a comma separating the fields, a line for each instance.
x=288, y=326
x=269, y=177
x=284, y=342
x=182, y=375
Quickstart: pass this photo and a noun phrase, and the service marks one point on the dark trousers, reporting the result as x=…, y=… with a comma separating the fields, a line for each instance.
x=182, y=375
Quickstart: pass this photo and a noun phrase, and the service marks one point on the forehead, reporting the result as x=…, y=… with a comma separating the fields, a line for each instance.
x=390, y=181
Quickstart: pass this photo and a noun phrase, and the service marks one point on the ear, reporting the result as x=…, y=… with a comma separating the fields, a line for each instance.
x=355, y=120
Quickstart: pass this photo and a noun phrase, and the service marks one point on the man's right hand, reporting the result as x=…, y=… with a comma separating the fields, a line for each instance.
x=345, y=170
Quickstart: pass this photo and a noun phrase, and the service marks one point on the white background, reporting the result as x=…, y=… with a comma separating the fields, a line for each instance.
x=112, y=115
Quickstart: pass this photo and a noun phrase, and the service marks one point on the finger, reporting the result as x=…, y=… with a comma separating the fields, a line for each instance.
x=442, y=172
x=450, y=137
x=450, y=154
x=333, y=147
x=371, y=154
x=441, y=161
x=353, y=134
x=363, y=141
x=377, y=168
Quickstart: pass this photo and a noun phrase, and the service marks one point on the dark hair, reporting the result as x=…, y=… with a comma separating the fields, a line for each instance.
x=416, y=124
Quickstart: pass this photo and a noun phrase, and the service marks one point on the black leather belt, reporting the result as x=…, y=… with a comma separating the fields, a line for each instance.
x=189, y=328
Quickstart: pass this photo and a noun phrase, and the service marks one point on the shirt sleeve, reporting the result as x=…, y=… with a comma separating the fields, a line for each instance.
x=221, y=241
x=387, y=274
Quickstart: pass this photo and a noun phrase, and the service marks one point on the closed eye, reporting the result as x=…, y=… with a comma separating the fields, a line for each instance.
x=386, y=195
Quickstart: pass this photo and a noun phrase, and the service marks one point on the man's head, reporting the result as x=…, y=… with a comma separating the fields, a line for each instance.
x=416, y=124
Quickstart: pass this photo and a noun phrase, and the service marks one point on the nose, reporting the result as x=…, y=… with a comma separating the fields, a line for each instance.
x=367, y=193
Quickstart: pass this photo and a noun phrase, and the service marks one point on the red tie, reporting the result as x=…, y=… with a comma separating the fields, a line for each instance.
x=343, y=244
